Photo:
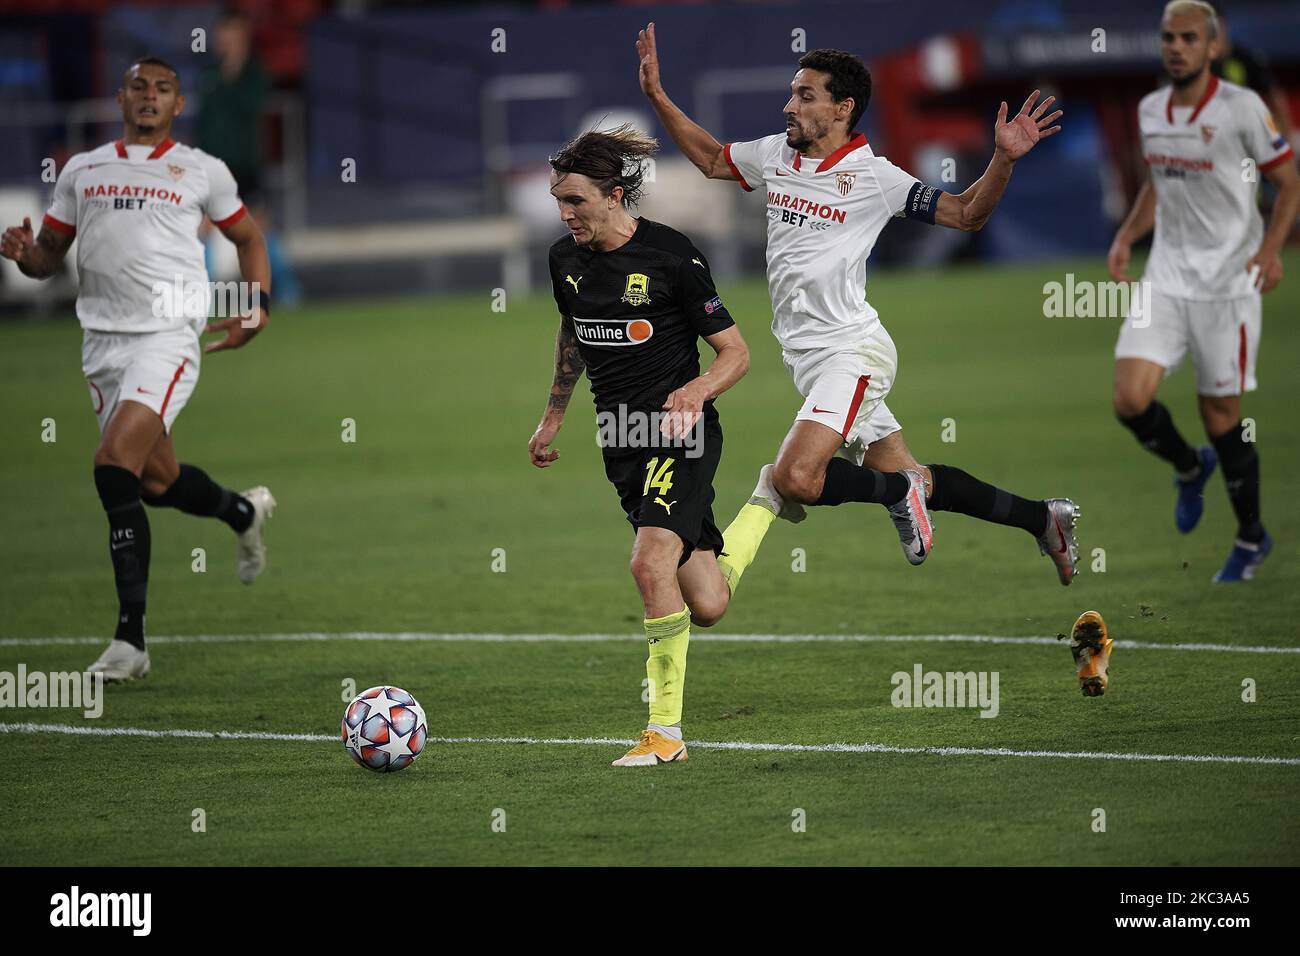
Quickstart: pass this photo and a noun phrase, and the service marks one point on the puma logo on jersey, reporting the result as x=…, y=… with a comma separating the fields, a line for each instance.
x=668, y=505
x=573, y=282
x=698, y=263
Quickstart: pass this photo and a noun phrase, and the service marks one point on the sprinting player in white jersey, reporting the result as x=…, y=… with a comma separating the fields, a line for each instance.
x=828, y=198
x=1205, y=141
x=136, y=205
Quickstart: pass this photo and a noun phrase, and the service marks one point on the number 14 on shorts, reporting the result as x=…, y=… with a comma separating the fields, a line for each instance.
x=659, y=478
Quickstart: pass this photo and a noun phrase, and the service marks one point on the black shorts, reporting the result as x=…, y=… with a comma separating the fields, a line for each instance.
x=667, y=488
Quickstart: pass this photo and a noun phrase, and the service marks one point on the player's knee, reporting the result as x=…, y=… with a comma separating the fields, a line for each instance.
x=151, y=486
x=709, y=611
x=156, y=478
x=652, y=562
x=797, y=482
x=110, y=455
x=1129, y=401
x=1219, y=415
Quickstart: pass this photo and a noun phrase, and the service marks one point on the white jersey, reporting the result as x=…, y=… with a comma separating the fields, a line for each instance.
x=1201, y=158
x=823, y=217
x=136, y=211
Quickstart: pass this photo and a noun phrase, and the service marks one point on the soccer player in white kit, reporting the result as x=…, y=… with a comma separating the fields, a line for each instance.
x=1204, y=140
x=136, y=205
x=828, y=198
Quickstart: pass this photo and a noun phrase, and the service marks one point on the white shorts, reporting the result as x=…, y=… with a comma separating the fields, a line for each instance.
x=844, y=388
x=1221, y=334
x=157, y=369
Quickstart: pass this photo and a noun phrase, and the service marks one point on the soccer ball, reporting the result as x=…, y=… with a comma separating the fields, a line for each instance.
x=384, y=729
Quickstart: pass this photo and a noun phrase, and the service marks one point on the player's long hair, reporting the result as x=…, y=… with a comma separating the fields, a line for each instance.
x=612, y=157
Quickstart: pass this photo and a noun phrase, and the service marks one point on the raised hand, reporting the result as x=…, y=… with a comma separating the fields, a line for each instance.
x=649, y=54
x=1015, y=138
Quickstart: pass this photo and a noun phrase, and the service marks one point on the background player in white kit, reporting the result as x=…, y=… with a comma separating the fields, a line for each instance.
x=828, y=198
x=1210, y=259
x=136, y=206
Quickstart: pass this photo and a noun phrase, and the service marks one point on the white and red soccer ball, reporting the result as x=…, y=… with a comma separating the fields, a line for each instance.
x=384, y=729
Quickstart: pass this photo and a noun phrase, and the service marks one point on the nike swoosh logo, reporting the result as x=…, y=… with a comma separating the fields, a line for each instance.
x=142, y=391
x=1061, y=549
x=779, y=173
x=823, y=411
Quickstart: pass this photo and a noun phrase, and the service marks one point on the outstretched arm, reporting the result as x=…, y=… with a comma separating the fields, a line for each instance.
x=568, y=369
x=694, y=141
x=969, y=210
x=38, y=257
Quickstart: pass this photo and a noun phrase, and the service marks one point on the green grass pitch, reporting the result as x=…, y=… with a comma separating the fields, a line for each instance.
x=397, y=532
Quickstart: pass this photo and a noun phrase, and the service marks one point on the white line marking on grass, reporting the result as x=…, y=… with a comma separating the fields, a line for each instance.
x=421, y=636
x=868, y=748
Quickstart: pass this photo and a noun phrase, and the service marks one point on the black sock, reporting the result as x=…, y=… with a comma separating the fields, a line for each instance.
x=955, y=490
x=1240, y=464
x=128, y=543
x=846, y=481
x=196, y=494
x=1156, y=433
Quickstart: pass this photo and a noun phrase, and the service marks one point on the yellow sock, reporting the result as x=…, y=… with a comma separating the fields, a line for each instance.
x=666, y=665
x=742, y=538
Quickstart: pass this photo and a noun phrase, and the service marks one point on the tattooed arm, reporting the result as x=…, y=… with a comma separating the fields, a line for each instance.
x=37, y=257
x=568, y=369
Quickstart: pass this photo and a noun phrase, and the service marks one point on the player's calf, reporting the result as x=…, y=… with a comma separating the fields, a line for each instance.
x=129, y=547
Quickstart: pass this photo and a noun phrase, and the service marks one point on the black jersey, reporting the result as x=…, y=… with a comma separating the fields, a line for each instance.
x=637, y=312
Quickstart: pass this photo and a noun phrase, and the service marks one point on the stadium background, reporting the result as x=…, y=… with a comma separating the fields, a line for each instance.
x=394, y=329
x=449, y=112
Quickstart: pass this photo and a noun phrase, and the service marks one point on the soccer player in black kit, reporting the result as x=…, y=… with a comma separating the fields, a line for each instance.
x=634, y=295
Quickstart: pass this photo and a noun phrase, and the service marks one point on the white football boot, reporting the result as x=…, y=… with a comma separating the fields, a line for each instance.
x=251, y=557
x=765, y=495
x=121, y=661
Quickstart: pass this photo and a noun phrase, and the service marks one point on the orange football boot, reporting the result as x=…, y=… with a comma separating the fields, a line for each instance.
x=652, y=749
x=1091, y=646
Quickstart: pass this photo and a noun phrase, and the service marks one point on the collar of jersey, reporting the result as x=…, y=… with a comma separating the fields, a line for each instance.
x=1210, y=89
x=856, y=141
x=158, y=150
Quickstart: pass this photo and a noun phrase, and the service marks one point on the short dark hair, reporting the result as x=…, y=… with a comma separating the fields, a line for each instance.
x=849, y=76
x=156, y=61
x=610, y=158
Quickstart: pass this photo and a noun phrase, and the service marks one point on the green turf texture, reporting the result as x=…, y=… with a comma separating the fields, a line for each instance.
x=397, y=531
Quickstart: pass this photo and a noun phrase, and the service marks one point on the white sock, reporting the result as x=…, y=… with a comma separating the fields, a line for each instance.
x=672, y=733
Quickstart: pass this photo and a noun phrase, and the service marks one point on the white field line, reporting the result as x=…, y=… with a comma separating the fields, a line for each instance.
x=866, y=748
x=421, y=636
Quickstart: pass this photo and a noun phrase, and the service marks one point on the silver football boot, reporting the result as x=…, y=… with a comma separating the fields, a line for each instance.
x=1057, y=540
x=912, y=519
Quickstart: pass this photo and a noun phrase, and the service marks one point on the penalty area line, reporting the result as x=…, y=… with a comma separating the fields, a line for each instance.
x=863, y=748
x=431, y=637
